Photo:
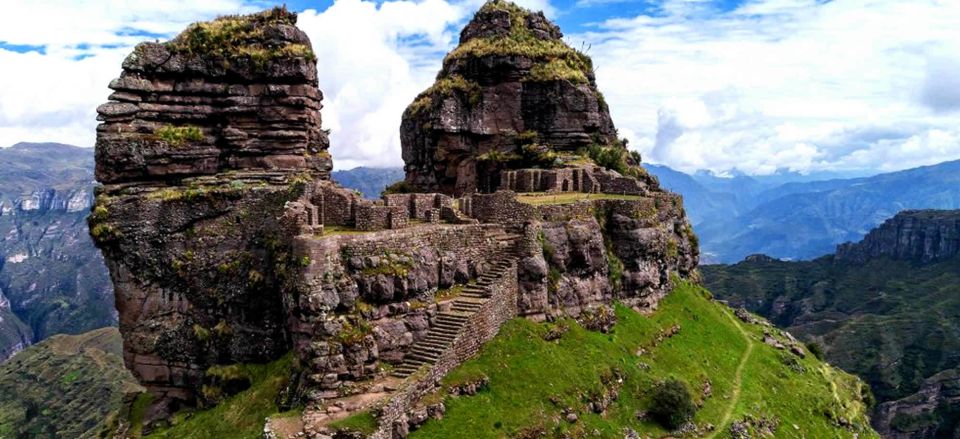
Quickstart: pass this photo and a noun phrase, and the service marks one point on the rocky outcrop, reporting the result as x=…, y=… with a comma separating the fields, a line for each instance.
x=922, y=236
x=511, y=88
x=204, y=142
x=237, y=93
x=931, y=412
x=227, y=244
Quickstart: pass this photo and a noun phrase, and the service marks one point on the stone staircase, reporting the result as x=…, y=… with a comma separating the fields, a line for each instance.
x=449, y=323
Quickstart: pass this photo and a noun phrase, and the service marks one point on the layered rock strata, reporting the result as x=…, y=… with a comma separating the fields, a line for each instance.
x=204, y=141
x=511, y=83
x=923, y=236
x=232, y=94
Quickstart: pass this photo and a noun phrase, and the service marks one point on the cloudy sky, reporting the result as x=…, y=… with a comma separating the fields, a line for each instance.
x=753, y=86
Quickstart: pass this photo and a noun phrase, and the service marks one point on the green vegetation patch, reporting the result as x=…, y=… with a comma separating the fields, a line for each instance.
x=534, y=379
x=558, y=60
x=362, y=422
x=67, y=386
x=178, y=136
x=557, y=69
x=541, y=198
x=240, y=36
x=240, y=416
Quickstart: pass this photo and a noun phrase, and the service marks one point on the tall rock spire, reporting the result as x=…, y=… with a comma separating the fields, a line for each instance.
x=236, y=93
x=511, y=83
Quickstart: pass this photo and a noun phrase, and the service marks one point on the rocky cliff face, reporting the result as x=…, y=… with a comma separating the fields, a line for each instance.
x=238, y=93
x=923, y=236
x=227, y=243
x=202, y=144
x=51, y=275
x=932, y=412
x=511, y=84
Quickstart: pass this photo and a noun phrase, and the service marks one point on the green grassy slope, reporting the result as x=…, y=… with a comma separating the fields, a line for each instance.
x=64, y=387
x=894, y=323
x=240, y=416
x=533, y=382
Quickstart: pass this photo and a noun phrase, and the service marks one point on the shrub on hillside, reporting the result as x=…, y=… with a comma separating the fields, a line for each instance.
x=672, y=404
x=816, y=349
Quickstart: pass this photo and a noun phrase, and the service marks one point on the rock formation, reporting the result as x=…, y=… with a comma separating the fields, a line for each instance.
x=203, y=142
x=931, y=412
x=237, y=93
x=227, y=243
x=512, y=91
x=923, y=236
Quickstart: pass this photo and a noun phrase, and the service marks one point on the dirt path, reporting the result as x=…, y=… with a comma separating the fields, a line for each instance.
x=737, y=379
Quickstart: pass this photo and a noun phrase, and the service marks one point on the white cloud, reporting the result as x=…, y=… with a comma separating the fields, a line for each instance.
x=786, y=84
x=776, y=84
x=374, y=58
x=52, y=96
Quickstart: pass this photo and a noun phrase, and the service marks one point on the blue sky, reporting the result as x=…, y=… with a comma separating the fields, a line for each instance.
x=728, y=86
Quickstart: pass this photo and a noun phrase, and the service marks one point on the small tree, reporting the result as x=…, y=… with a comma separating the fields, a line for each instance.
x=672, y=404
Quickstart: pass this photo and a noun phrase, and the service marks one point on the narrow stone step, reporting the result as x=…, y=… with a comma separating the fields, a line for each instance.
x=450, y=315
x=428, y=358
x=467, y=305
x=449, y=334
x=440, y=338
x=423, y=350
x=449, y=327
x=434, y=344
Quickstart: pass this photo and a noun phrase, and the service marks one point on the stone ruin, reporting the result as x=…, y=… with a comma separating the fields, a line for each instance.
x=227, y=242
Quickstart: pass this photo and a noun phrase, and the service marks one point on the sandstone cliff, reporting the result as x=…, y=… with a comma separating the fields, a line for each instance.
x=204, y=140
x=512, y=88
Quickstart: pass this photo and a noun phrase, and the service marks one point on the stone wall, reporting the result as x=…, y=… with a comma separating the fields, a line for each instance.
x=383, y=281
x=372, y=217
x=479, y=329
x=337, y=205
x=549, y=180
x=417, y=205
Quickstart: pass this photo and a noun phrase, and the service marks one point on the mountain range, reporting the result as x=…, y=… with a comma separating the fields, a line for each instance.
x=791, y=217
x=52, y=278
x=886, y=308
